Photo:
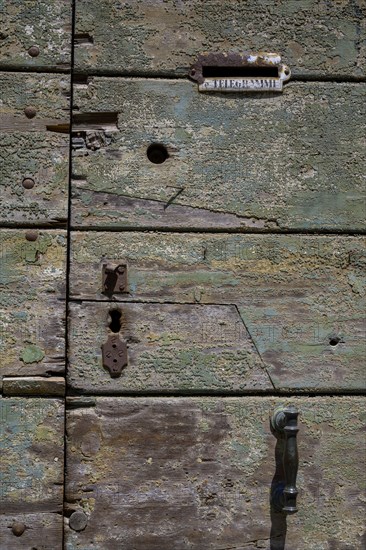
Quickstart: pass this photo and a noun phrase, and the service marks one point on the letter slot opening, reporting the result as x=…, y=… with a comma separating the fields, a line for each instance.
x=235, y=72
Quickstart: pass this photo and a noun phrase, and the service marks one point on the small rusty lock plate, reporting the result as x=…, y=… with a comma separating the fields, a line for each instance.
x=236, y=72
x=114, y=353
x=114, y=279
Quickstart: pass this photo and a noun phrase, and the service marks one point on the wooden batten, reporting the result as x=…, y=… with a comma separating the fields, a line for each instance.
x=34, y=385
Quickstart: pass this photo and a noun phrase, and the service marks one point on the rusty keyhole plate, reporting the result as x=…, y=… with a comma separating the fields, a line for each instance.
x=114, y=353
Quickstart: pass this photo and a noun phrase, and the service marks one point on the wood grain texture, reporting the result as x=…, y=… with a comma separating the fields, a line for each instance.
x=35, y=148
x=197, y=472
x=42, y=532
x=31, y=460
x=315, y=37
x=32, y=308
x=45, y=24
x=301, y=298
x=181, y=348
x=265, y=162
x=34, y=385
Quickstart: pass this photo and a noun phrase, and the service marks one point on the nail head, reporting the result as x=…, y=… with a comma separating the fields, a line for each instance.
x=28, y=183
x=33, y=51
x=31, y=235
x=30, y=112
x=78, y=520
x=18, y=528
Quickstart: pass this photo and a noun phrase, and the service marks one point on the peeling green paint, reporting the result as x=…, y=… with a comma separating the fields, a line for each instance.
x=288, y=172
x=32, y=354
x=32, y=308
x=292, y=294
x=30, y=251
x=29, y=150
x=44, y=433
x=315, y=37
x=45, y=24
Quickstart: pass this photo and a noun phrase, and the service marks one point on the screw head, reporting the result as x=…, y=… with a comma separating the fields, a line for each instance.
x=33, y=51
x=18, y=528
x=78, y=520
x=31, y=235
x=30, y=112
x=28, y=183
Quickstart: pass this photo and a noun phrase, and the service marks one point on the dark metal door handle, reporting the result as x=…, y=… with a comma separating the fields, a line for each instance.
x=284, y=425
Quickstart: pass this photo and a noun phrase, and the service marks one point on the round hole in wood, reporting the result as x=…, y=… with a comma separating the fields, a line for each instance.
x=334, y=340
x=157, y=153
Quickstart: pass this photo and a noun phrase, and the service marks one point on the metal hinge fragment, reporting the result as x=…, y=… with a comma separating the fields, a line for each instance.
x=114, y=279
x=235, y=72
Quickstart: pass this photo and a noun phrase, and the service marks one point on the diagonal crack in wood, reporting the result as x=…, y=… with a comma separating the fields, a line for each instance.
x=255, y=345
x=180, y=190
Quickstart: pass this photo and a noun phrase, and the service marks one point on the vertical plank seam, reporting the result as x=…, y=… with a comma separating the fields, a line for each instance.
x=68, y=258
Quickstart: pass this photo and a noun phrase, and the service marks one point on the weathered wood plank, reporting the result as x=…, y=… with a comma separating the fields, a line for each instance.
x=34, y=150
x=34, y=385
x=196, y=473
x=269, y=162
x=42, y=531
x=183, y=348
x=31, y=460
x=35, y=35
x=300, y=297
x=32, y=308
x=315, y=37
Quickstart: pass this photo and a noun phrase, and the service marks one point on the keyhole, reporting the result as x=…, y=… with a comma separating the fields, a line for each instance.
x=115, y=324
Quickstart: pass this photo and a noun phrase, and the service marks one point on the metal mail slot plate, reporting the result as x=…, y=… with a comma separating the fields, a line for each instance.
x=234, y=72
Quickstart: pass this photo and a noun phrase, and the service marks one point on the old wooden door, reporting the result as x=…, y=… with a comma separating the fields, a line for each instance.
x=208, y=249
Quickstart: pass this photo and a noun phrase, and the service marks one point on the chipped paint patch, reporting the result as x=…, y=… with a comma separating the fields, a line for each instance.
x=32, y=354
